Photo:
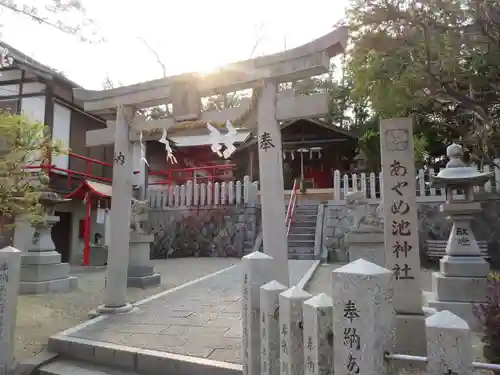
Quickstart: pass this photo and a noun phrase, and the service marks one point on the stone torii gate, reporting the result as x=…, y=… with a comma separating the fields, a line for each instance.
x=266, y=108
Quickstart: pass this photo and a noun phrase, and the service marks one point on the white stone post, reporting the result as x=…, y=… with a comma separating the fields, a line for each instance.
x=257, y=271
x=291, y=330
x=10, y=267
x=189, y=193
x=239, y=192
x=121, y=209
x=270, y=327
x=401, y=234
x=363, y=318
x=318, y=335
x=271, y=181
x=449, y=345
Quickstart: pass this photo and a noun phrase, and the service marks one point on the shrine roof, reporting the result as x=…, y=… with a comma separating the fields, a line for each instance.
x=25, y=62
x=99, y=189
x=318, y=122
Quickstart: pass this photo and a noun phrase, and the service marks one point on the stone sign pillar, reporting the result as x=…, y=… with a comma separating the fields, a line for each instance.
x=402, y=255
x=271, y=182
x=10, y=265
x=291, y=330
x=270, y=327
x=257, y=271
x=449, y=345
x=363, y=318
x=118, y=250
x=318, y=335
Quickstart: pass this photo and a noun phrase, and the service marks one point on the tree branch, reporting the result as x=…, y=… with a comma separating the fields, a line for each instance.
x=158, y=60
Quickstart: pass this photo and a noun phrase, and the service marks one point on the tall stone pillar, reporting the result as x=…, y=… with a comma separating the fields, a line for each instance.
x=402, y=255
x=271, y=182
x=118, y=250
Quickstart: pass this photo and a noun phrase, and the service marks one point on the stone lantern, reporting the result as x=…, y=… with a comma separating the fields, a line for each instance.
x=41, y=267
x=360, y=160
x=462, y=280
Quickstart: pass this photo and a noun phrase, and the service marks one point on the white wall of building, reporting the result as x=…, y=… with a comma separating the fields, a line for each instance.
x=61, y=133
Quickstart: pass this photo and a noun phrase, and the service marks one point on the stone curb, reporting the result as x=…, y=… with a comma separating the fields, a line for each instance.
x=143, y=361
x=304, y=281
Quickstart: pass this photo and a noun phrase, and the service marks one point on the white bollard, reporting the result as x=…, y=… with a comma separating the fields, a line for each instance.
x=10, y=267
x=257, y=271
x=291, y=330
x=270, y=327
x=318, y=335
x=363, y=318
x=449, y=345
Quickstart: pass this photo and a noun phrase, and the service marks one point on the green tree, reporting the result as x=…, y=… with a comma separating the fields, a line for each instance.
x=22, y=143
x=437, y=60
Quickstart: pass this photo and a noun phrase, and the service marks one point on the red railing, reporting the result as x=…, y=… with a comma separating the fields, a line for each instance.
x=172, y=175
x=291, y=207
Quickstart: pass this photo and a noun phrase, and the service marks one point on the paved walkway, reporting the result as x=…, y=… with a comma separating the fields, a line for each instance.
x=199, y=320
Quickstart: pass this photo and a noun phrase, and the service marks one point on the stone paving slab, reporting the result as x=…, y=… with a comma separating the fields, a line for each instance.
x=200, y=320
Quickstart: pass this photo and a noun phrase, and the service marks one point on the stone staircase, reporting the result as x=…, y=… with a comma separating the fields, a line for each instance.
x=302, y=234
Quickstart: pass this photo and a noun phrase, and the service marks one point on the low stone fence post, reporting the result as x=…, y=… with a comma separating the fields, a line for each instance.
x=270, y=327
x=449, y=345
x=363, y=318
x=291, y=330
x=318, y=335
x=257, y=271
x=10, y=266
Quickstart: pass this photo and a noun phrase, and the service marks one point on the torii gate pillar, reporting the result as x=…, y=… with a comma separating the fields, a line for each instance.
x=271, y=182
x=118, y=250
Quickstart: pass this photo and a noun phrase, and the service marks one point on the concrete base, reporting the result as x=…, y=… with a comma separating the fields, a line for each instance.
x=459, y=289
x=366, y=245
x=144, y=281
x=141, y=273
x=464, y=310
x=410, y=334
x=42, y=272
x=50, y=286
x=461, y=266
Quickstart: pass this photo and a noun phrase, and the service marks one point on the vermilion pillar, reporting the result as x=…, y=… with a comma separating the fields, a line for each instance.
x=86, y=234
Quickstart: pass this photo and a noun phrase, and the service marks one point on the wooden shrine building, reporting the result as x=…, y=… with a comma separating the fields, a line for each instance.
x=312, y=150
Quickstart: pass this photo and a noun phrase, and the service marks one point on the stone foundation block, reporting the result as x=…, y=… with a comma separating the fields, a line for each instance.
x=464, y=266
x=52, y=286
x=410, y=334
x=46, y=257
x=459, y=289
x=144, y=281
x=44, y=272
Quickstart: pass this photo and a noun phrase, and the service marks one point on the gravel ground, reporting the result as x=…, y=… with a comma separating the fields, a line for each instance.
x=41, y=316
x=321, y=284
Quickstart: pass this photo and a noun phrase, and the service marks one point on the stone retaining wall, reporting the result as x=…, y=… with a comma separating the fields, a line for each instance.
x=218, y=231
x=432, y=224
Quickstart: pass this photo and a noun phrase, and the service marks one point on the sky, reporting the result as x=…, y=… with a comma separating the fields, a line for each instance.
x=188, y=35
